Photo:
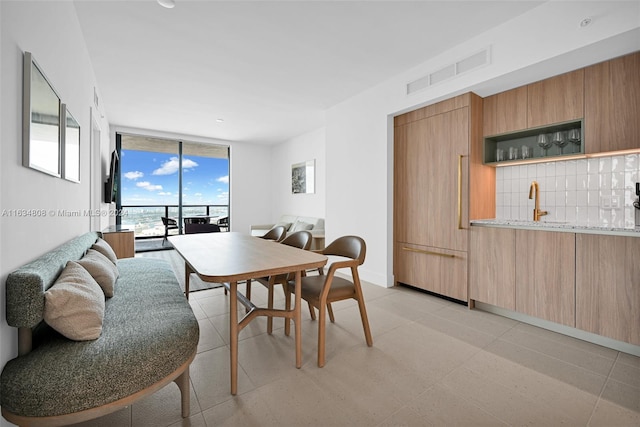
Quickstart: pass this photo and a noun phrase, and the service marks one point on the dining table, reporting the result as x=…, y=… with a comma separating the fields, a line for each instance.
x=229, y=258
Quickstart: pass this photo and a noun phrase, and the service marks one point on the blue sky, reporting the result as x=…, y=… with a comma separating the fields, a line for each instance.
x=150, y=178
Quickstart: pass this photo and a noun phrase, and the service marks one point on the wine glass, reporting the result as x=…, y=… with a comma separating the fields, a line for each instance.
x=560, y=140
x=544, y=142
x=574, y=136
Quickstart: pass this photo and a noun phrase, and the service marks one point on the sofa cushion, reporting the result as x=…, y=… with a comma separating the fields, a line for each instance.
x=74, y=305
x=286, y=225
x=101, y=269
x=301, y=226
x=105, y=249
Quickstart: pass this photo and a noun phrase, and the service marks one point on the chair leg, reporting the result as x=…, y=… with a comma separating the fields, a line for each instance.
x=312, y=312
x=248, y=294
x=322, y=318
x=270, y=306
x=363, y=310
x=287, y=306
x=330, y=310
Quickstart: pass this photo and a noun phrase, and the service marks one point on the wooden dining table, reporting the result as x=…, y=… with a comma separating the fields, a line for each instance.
x=229, y=258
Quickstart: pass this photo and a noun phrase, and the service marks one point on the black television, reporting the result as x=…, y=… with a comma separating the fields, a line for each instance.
x=111, y=186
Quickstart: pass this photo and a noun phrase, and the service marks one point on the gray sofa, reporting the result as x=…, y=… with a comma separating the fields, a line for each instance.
x=149, y=338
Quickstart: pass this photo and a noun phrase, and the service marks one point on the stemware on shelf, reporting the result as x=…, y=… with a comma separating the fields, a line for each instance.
x=544, y=142
x=574, y=136
x=560, y=140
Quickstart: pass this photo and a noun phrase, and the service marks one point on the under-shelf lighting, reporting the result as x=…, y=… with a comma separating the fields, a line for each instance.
x=169, y=4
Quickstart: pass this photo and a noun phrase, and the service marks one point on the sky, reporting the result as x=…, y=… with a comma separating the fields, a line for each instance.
x=150, y=178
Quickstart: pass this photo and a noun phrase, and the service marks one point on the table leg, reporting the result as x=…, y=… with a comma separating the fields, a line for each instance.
x=187, y=275
x=298, y=319
x=233, y=335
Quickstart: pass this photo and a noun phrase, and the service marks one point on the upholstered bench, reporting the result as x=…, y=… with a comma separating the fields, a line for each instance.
x=148, y=339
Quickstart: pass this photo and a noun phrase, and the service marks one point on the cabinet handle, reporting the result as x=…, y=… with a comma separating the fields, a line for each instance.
x=420, y=251
x=460, y=156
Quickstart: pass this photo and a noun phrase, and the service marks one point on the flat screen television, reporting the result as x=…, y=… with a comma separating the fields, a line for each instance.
x=111, y=186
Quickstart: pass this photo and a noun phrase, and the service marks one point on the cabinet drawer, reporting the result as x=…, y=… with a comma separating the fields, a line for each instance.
x=437, y=270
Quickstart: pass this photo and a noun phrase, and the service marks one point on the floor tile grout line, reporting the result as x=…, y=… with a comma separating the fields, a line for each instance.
x=603, y=388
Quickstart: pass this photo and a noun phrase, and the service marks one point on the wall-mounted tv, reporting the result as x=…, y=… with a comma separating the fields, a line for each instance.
x=112, y=184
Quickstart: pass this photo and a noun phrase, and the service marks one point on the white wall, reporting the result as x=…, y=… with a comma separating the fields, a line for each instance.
x=308, y=146
x=544, y=42
x=51, y=32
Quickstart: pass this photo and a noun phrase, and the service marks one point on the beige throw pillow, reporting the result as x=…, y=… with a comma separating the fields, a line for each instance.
x=101, y=269
x=301, y=226
x=74, y=305
x=105, y=249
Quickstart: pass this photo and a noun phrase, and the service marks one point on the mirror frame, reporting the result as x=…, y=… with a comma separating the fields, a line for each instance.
x=70, y=146
x=32, y=97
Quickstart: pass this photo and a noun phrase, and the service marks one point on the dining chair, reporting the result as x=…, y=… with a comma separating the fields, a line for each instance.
x=169, y=224
x=321, y=290
x=277, y=233
x=300, y=240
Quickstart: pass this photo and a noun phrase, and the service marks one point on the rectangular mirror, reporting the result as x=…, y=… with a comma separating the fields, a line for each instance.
x=40, y=120
x=70, y=146
x=303, y=177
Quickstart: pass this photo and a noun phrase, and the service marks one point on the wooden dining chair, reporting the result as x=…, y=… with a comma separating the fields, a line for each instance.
x=300, y=240
x=322, y=290
x=277, y=233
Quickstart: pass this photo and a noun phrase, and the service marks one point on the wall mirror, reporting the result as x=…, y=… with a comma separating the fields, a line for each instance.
x=303, y=178
x=40, y=120
x=70, y=146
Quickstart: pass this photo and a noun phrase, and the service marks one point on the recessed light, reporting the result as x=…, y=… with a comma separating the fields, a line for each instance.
x=219, y=120
x=169, y=4
x=585, y=22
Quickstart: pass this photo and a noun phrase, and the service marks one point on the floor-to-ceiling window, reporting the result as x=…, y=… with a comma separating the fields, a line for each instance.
x=170, y=178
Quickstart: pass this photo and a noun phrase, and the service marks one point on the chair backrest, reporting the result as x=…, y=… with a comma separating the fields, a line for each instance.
x=299, y=239
x=277, y=233
x=193, y=228
x=168, y=221
x=352, y=247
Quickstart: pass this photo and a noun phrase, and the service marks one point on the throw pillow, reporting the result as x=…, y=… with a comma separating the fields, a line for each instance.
x=286, y=225
x=301, y=226
x=101, y=269
x=105, y=249
x=74, y=305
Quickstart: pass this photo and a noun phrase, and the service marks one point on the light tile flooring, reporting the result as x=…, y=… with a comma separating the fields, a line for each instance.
x=433, y=362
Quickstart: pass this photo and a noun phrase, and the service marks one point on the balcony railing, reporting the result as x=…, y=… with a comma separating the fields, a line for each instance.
x=146, y=220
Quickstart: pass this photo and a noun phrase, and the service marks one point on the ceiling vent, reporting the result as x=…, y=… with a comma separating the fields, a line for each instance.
x=477, y=60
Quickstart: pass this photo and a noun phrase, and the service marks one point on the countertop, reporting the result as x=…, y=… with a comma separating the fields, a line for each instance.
x=556, y=226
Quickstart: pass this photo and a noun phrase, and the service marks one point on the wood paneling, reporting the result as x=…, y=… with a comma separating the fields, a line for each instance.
x=492, y=266
x=612, y=105
x=557, y=99
x=122, y=243
x=608, y=286
x=545, y=275
x=505, y=112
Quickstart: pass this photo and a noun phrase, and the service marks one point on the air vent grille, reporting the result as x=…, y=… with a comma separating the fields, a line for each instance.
x=472, y=62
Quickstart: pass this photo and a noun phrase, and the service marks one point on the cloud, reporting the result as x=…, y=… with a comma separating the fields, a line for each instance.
x=148, y=186
x=223, y=179
x=133, y=175
x=164, y=193
x=198, y=194
x=171, y=166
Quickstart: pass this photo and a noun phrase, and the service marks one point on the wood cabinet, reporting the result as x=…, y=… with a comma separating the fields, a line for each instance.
x=121, y=241
x=555, y=100
x=505, y=112
x=437, y=166
x=608, y=286
x=545, y=275
x=612, y=105
x=492, y=266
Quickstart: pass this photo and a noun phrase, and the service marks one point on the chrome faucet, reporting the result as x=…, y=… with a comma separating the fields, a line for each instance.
x=537, y=213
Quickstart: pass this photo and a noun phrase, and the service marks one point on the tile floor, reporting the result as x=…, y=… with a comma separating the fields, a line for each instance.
x=433, y=362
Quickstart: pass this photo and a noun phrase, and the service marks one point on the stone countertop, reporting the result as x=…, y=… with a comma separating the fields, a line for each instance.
x=556, y=226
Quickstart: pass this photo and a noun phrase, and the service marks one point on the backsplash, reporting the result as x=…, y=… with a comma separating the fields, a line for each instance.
x=594, y=192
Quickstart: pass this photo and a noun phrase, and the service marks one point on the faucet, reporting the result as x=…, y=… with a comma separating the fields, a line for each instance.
x=537, y=213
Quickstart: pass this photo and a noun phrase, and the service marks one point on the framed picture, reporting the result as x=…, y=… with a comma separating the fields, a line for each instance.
x=303, y=178
x=70, y=146
x=40, y=120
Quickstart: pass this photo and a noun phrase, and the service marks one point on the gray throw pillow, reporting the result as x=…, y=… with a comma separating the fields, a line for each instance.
x=301, y=226
x=101, y=269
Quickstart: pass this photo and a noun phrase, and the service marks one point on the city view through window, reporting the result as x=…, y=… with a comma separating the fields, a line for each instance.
x=151, y=186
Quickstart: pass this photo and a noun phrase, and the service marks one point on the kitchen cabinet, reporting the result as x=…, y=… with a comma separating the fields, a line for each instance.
x=556, y=99
x=505, y=112
x=545, y=275
x=612, y=105
x=492, y=266
x=608, y=286
x=437, y=166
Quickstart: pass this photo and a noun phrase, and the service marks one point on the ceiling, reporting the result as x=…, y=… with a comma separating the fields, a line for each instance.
x=268, y=70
